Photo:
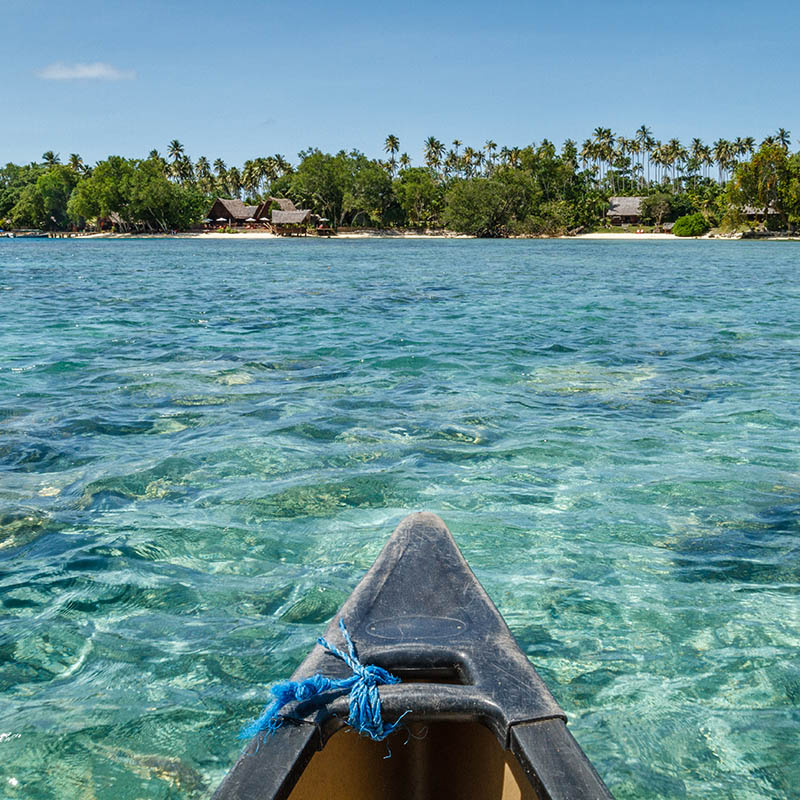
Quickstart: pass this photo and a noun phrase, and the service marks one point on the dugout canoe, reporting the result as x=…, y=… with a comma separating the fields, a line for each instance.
x=481, y=724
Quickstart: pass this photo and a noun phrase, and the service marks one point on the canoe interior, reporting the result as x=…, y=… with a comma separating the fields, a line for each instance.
x=441, y=760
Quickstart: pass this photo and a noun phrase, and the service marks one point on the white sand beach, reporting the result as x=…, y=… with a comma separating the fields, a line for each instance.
x=368, y=234
x=618, y=237
x=261, y=235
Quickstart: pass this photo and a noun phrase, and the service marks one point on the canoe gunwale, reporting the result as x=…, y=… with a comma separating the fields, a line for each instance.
x=434, y=703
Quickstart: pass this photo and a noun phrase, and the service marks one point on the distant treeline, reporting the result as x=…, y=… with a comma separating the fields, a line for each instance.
x=534, y=190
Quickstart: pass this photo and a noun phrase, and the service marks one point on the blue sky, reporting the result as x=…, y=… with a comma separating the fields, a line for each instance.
x=249, y=79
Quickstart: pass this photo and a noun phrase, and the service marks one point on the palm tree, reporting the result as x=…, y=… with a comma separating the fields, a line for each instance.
x=456, y=144
x=587, y=152
x=490, y=147
x=186, y=170
x=234, y=182
x=695, y=161
x=707, y=159
x=267, y=170
x=721, y=151
x=725, y=156
x=646, y=142
x=250, y=178
x=604, y=142
x=635, y=148
x=434, y=150
x=468, y=159
x=622, y=161
x=391, y=146
x=175, y=150
x=202, y=169
x=452, y=163
x=75, y=162
x=222, y=176
x=784, y=138
x=282, y=166
x=50, y=158
x=676, y=154
x=404, y=160
x=656, y=157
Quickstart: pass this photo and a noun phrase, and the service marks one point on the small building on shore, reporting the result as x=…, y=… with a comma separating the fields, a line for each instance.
x=624, y=210
x=291, y=223
x=232, y=212
x=263, y=211
x=753, y=214
x=285, y=220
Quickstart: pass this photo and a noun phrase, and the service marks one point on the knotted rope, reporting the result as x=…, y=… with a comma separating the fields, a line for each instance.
x=365, y=701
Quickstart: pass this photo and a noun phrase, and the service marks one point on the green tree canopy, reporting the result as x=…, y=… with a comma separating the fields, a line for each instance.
x=43, y=204
x=481, y=207
x=761, y=182
x=420, y=196
x=656, y=207
x=105, y=191
x=320, y=183
x=13, y=179
x=157, y=202
x=790, y=190
x=346, y=187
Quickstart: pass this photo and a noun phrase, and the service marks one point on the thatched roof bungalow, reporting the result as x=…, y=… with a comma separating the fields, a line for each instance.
x=284, y=202
x=234, y=211
x=623, y=210
x=288, y=222
x=264, y=209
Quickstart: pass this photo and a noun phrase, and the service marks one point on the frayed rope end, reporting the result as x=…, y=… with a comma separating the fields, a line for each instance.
x=365, y=702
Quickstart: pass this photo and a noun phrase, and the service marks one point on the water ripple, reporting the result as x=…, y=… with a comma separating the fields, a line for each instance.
x=204, y=445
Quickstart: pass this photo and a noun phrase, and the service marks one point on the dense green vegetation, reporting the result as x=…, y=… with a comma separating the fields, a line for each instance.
x=533, y=190
x=691, y=225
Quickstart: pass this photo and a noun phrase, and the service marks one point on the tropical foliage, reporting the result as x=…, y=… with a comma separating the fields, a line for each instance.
x=691, y=225
x=483, y=190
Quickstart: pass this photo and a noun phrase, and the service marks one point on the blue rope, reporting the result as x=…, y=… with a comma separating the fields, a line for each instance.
x=365, y=702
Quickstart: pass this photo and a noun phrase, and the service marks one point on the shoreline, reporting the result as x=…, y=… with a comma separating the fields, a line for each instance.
x=385, y=235
x=258, y=235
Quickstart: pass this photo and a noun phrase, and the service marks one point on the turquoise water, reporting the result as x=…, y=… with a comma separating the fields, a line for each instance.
x=203, y=446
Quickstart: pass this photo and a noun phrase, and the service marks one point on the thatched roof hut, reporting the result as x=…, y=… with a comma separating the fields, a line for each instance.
x=234, y=210
x=287, y=223
x=625, y=209
x=296, y=217
x=264, y=209
x=284, y=202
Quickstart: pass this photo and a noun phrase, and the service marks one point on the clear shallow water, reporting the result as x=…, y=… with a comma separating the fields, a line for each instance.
x=203, y=446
